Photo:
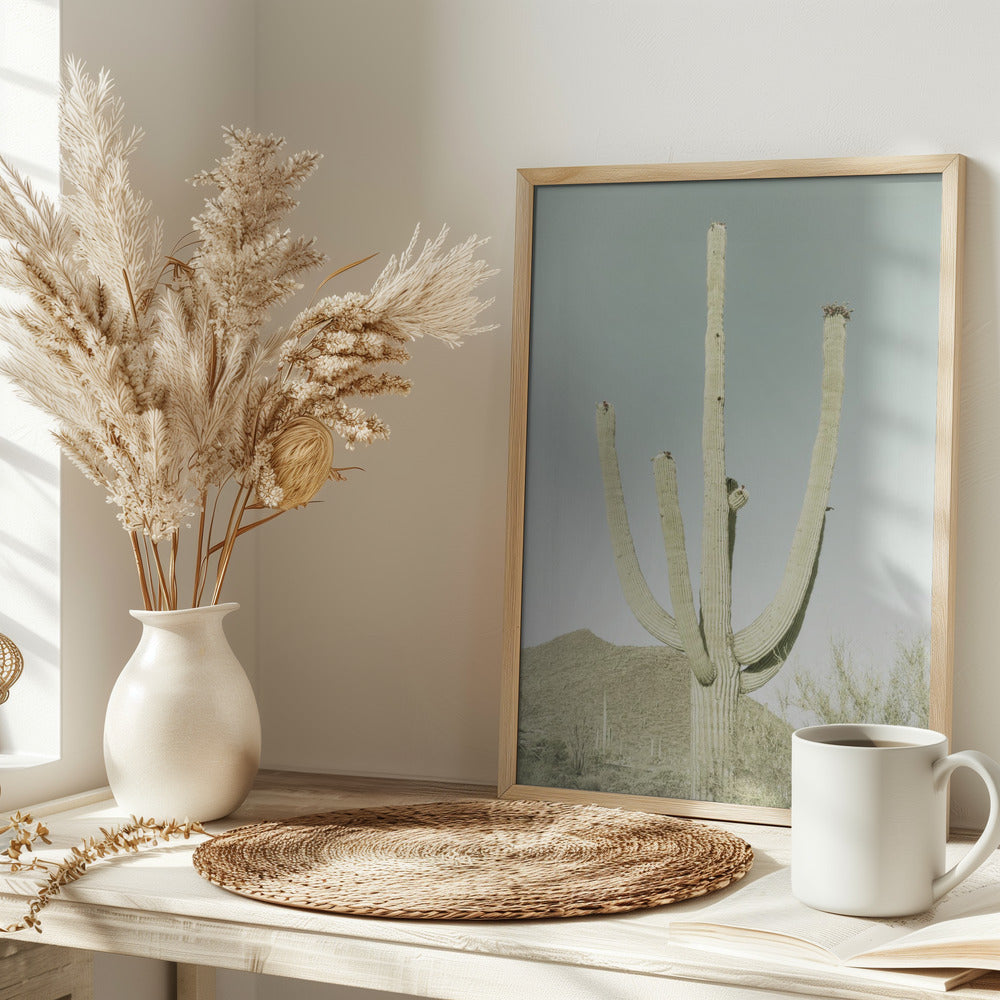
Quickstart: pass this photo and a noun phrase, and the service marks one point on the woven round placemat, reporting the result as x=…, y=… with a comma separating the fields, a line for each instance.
x=475, y=860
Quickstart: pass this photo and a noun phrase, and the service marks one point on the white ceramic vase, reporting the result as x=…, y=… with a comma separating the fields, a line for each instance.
x=182, y=731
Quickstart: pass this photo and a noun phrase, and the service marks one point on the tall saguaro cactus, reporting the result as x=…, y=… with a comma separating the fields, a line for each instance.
x=724, y=664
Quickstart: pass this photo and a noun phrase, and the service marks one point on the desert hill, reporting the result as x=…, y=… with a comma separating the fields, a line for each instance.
x=604, y=717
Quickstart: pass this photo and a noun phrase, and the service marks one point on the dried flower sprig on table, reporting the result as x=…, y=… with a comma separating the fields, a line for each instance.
x=164, y=389
x=126, y=839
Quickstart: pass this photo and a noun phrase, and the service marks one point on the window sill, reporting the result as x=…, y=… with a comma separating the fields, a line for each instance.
x=9, y=761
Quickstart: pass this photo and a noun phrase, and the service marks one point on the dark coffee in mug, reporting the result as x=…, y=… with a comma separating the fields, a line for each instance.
x=867, y=743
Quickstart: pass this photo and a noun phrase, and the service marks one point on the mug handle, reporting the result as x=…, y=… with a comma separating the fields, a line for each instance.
x=989, y=839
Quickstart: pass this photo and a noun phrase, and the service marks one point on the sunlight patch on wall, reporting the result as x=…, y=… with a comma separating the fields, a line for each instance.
x=29, y=458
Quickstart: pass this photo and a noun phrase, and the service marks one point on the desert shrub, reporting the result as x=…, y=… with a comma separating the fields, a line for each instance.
x=852, y=693
x=763, y=775
x=542, y=760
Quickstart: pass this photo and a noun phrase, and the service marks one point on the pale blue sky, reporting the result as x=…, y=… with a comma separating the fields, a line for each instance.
x=618, y=313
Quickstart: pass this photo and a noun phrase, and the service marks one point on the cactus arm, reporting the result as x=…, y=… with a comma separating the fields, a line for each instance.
x=738, y=497
x=665, y=472
x=648, y=612
x=762, y=637
x=756, y=675
x=751, y=681
x=716, y=566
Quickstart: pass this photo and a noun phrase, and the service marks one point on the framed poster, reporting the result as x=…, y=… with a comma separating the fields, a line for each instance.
x=731, y=475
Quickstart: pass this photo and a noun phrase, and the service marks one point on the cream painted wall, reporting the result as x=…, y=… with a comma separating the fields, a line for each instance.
x=380, y=608
x=381, y=611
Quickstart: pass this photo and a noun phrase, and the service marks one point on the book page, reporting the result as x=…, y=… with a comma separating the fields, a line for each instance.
x=979, y=893
x=969, y=915
x=767, y=904
x=972, y=941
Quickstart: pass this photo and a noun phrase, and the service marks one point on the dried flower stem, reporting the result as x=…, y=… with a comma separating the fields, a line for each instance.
x=232, y=533
x=126, y=839
x=162, y=588
x=149, y=569
x=131, y=297
x=340, y=271
x=201, y=538
x=141, y=569
x=246, y=527
x=211, y=525
x=174, y=542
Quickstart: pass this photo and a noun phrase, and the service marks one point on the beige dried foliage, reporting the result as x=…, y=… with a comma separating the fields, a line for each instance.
x=163, y=386
x=301, y=457
x=26, y=831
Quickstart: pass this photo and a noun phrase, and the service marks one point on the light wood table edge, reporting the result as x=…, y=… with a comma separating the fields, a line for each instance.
x=399, y=956
x=211, y=944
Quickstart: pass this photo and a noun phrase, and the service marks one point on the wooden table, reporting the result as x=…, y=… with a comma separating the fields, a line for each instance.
x=156, y=905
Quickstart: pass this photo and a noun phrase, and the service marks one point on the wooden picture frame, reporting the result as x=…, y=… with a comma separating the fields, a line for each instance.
x=887, y=232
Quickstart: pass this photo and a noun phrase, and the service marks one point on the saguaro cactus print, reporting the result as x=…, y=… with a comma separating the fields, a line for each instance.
x=724, y=664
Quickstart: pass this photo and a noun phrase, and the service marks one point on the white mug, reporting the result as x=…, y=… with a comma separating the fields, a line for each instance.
x=869, y=818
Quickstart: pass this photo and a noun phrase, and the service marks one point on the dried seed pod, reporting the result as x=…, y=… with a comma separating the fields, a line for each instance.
x=301, y=457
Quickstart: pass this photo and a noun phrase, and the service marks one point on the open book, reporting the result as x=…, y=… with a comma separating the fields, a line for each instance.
x=956, y=940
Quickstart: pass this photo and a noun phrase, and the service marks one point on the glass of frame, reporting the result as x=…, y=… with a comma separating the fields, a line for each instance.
x=731, y=473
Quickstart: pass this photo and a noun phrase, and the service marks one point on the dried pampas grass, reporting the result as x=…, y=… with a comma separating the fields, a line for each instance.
x=162, y=386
